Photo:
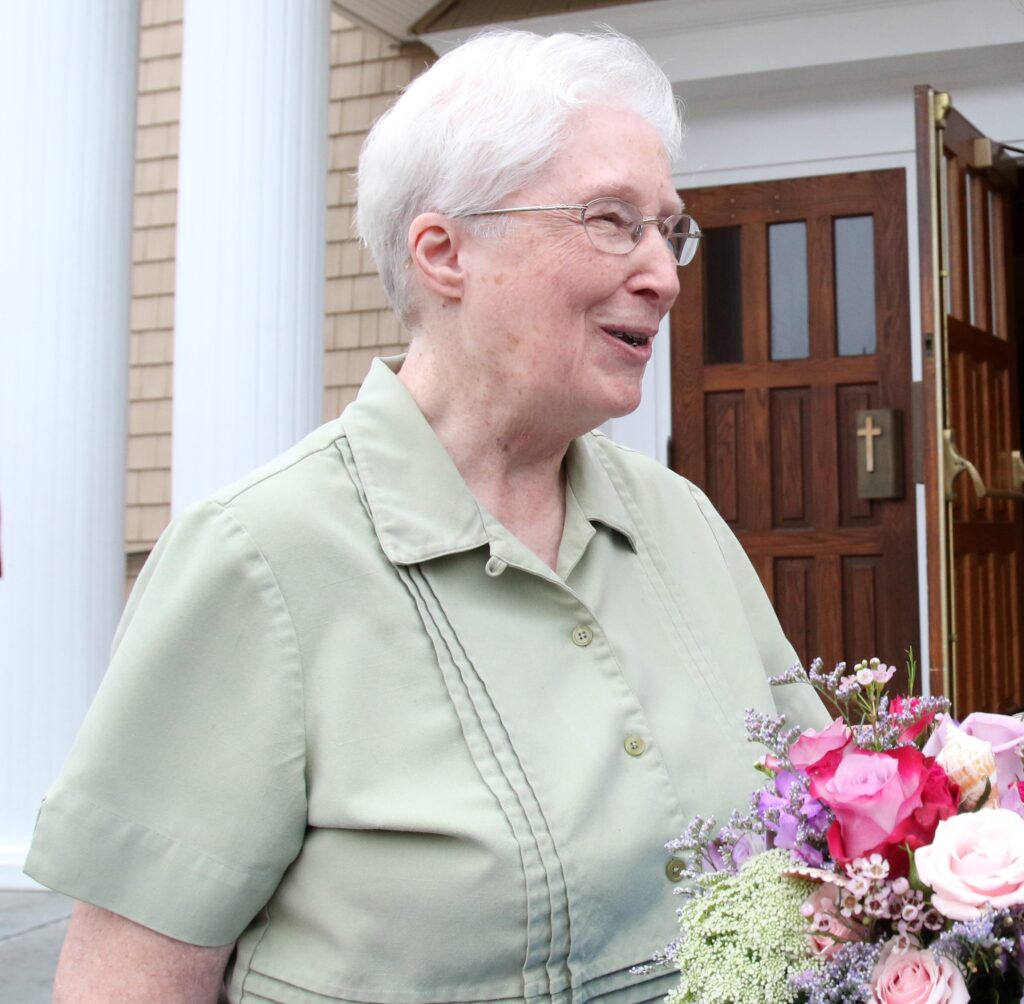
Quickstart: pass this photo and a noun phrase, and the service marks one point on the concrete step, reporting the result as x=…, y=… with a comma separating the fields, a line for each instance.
x=32, y=926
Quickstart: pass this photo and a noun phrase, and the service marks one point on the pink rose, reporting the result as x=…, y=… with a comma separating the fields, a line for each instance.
x=882, y=800
x=768, y=764
x=812, y=747
x=915, y=976
x=975, y=861
x=829, y=929
x=911, y=706
x=1006, y=737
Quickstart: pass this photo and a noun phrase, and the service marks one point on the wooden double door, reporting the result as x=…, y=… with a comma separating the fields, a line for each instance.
x=791, y=325
x=969, y=205
x=793, y=321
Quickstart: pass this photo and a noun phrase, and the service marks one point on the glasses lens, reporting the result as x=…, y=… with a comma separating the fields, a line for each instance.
x=683, y=238
x=612, y=225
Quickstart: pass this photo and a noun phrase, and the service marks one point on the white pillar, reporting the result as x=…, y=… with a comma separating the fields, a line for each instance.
x=67, y=122
x=248, y=334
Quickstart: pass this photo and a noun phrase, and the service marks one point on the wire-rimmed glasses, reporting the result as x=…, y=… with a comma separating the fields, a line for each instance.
x=616, y=226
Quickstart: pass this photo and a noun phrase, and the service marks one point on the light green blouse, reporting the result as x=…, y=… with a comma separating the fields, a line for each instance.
x=354, y=723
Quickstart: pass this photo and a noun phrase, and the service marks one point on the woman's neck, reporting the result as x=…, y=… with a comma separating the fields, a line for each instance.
x=509, y=458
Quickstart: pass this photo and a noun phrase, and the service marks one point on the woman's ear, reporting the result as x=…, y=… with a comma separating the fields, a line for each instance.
x=434, y=245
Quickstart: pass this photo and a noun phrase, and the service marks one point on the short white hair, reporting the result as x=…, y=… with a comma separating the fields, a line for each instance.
x=484, y=121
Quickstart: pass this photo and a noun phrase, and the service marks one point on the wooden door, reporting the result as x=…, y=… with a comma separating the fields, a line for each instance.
x=975, y=511
x=792, y=318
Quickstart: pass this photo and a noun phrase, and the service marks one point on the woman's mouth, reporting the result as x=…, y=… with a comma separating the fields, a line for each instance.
x=634, y=338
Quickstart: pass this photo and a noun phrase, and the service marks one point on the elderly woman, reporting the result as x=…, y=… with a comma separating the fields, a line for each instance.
x=407, y=715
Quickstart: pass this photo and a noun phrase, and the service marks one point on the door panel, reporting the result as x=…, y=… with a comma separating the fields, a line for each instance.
x=791, y=320
x=975, y=517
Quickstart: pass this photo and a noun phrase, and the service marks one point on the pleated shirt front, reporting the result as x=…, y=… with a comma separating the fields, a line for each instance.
x=352, y=722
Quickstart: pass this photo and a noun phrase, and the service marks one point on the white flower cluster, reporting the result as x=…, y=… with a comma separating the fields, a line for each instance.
x=867, y=894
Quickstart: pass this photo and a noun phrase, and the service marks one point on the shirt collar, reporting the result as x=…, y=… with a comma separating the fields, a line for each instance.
x=420, y=506
x=592, y=485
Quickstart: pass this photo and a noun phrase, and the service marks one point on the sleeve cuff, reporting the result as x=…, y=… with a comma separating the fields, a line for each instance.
x=96, y=856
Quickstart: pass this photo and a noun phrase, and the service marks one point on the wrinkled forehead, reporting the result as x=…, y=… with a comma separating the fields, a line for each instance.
x=612, y=152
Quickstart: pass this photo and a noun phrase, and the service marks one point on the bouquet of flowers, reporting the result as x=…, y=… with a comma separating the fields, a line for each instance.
x=883, y=861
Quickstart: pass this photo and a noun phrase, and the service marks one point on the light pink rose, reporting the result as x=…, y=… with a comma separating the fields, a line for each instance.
x=975, y=861
x=811, y=747
x=829, y=929
x=1006, y=737
x=768, y=764
x=916, y=977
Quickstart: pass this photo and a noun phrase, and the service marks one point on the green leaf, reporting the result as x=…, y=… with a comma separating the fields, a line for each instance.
x=913, y=877
x=982, y=798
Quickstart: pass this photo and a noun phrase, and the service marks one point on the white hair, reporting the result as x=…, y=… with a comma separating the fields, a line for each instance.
x=484, y=121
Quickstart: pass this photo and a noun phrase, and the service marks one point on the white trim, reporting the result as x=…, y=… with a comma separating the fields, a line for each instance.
x=704, y=39
x=663, y=389
x=647, y=429
x=925, y=655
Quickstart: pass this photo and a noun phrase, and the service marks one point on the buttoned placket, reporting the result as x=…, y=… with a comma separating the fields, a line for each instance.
x=582, y=634
x=518, y=756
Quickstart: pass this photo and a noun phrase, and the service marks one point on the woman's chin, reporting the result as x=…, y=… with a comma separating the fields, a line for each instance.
x=625, y=401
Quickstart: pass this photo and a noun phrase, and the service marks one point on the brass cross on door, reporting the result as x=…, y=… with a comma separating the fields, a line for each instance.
x=793, y=320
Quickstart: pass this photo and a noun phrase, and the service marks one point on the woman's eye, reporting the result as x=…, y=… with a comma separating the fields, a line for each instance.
x=612, y=219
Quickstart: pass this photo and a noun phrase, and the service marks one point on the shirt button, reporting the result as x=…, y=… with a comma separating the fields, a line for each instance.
x=674, y=869
x=634, y=745
x=582, y=635
x=495, y=566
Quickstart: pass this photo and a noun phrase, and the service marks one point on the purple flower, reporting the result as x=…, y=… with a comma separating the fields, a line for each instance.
x=793, y=817
x=729, y=856
x=748, y=845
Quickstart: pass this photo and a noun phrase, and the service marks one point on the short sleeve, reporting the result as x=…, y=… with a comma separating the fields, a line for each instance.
x=797, y=701
x=183, y=799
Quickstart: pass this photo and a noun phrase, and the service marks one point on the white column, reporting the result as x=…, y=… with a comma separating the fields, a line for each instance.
x=67, y=122
x=248, y=338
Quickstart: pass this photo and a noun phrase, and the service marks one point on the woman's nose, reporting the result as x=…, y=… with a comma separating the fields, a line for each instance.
x=656, y=269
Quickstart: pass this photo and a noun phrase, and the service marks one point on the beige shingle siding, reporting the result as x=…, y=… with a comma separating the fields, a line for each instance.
x=148, y=476
x=367, y=72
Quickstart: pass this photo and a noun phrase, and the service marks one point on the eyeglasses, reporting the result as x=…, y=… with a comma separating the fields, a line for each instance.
x=616, y=226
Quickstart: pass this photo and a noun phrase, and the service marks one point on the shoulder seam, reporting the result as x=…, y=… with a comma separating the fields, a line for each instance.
x=277, y=470
x=291, y=620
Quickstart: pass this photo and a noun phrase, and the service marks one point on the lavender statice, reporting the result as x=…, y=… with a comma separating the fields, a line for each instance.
x=846, y=979
x=770, y=732
x=898, y=722
x=826, y=683
x=663, y=959
x=702, y=850
x=742, y=837
x=691, y=847
x=878, y=723
x=990, y=943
